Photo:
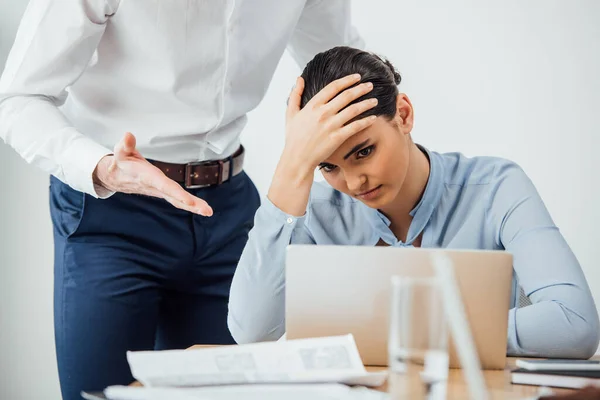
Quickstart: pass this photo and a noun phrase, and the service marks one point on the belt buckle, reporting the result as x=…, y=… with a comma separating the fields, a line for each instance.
x=189, y=175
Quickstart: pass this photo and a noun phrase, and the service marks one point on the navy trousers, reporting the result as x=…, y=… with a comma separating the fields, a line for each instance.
x=134, y=273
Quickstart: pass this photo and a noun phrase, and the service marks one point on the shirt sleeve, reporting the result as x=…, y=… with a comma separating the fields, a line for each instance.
x=562, y=320
x=323, y=24
x=54, y=44
x=257, y=296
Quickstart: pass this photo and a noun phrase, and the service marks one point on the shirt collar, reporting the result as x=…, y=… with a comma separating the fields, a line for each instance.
x=422, y=212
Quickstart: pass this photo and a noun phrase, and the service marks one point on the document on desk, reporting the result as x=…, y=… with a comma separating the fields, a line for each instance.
x=319, y=391
x=321, y=360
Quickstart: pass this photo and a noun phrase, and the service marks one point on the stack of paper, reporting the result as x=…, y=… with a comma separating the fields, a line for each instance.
x=318, y=391
x=320, y=365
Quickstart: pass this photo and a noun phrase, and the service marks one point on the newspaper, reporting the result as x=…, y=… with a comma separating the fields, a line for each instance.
x=321, y=360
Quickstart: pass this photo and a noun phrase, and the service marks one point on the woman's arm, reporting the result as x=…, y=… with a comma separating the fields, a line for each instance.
x=562, y=321
x=256, y=302
x=257, y=297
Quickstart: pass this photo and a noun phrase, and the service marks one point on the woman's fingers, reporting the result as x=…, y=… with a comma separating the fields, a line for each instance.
x=344, y=133
x=347, y=97
x=346, y=115
x=332, y=90
x=295, y=98
x=324, y=124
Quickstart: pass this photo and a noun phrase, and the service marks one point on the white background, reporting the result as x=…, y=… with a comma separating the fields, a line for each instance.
x=516, y=79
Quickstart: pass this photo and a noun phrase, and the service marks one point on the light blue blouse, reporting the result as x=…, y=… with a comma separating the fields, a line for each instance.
x=468, y=203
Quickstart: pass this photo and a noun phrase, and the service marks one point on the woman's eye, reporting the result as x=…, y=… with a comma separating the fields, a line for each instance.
x=364, y=152
x=326, y=167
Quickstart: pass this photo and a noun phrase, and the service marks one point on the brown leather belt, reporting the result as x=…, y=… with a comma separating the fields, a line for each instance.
x=195, y=175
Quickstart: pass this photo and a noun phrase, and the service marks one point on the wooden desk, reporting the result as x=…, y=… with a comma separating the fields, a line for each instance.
x=498, y=383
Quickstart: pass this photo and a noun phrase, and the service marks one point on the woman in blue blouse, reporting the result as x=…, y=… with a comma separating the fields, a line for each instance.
x=384, y=189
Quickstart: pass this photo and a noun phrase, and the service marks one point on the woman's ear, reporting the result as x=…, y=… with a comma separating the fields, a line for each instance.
x=404, y=113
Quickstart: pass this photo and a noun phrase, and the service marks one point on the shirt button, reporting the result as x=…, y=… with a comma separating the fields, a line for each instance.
x=289, y=220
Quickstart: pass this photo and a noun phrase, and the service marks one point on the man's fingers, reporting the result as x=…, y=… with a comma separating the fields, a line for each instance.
x=204, y=210
x=295, y=98
x=113, y=165
x=129, y=142
x=332, y=90
x=176, y=203
x=179, y=197
x=184, y=201
x=144, y=178
x=169, y=188
x=126, y=147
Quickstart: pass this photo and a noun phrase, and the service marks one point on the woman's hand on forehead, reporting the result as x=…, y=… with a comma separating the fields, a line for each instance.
x=314, y=132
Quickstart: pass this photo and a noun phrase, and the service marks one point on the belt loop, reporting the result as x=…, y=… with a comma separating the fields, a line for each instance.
x=230, y=159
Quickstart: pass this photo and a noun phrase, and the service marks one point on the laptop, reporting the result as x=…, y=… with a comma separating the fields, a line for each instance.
x=336, y=290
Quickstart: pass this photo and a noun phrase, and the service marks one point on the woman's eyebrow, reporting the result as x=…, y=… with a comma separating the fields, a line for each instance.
x=355, y=148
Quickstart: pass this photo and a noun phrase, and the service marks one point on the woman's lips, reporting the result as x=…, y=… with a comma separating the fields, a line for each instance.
x=369, y=194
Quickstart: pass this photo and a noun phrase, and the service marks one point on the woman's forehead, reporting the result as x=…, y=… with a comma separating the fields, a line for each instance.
x=371, y=133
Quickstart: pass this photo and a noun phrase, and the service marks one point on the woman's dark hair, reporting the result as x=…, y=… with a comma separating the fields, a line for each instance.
x=339, y=62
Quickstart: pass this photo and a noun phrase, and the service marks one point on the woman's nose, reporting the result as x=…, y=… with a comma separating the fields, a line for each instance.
x=355, y=182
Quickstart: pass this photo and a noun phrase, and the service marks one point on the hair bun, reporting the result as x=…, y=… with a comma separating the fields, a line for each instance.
x=396, y=74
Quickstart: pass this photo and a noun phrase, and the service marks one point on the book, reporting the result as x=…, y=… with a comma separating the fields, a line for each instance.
x=556, y=378
x=559, y=365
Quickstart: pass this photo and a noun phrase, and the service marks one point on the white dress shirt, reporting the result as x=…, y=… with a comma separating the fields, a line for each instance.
x=179, y=74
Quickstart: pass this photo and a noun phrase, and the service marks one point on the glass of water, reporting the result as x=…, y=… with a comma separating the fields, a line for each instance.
x=418, y=340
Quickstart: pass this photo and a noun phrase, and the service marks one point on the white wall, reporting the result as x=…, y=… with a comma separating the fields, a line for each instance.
x=516, y=79
x=27, y=354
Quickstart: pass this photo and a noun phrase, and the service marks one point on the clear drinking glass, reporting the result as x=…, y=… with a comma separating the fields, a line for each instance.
x=417, y=342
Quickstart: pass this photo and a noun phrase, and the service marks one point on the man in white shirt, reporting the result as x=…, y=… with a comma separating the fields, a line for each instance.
x=133, y=272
